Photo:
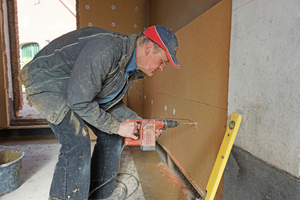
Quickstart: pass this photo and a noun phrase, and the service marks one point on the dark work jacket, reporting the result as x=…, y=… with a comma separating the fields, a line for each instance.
x=77, y=69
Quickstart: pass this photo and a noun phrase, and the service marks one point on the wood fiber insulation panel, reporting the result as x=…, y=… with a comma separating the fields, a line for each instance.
x=198, y=91
x=175, y=14
x=135, y=97
x=192, y=148
x=127, y=17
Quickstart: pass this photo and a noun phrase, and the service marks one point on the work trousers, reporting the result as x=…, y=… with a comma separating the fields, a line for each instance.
x=77, y=172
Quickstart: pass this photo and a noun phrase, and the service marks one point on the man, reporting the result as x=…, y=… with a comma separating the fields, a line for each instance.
x=79, y=80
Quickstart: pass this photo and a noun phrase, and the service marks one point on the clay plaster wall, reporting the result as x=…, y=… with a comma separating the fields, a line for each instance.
x=264, y=80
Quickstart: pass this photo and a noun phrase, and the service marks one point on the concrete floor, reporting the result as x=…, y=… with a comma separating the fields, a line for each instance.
x=156, y=180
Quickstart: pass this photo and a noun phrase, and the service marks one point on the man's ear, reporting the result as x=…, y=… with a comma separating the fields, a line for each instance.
x=148, y=47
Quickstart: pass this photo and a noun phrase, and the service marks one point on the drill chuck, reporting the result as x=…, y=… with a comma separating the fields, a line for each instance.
x=169, y=123
x=172, y=124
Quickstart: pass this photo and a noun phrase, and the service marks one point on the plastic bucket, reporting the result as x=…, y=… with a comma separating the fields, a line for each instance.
x=10, y=170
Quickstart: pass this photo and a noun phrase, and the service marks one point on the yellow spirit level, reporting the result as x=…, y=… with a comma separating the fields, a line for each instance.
x=224, y=152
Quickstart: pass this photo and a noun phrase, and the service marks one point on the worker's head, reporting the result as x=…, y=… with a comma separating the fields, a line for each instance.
x=158, y=46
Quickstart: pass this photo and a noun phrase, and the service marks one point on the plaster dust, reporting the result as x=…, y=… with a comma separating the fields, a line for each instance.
x=161, y=182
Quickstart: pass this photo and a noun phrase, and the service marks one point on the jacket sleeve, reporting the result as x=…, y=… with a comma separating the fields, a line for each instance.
x=89, y=71
x=121, y=112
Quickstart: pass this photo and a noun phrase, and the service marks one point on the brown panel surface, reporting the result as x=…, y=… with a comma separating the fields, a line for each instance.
x=128, y=16
x=198, y=91
x=194, y=149
x=175, y=14
x=135, y=97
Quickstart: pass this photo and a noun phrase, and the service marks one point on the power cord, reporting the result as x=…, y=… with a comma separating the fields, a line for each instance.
x=126, y=189
x=137, y=181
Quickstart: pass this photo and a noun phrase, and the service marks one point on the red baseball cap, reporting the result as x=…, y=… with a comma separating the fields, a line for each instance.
x=166, y=39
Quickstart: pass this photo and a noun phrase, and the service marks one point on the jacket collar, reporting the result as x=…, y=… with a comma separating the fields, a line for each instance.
x=131, y=44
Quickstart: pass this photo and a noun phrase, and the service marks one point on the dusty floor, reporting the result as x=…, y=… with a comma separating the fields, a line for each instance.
x=156, y=180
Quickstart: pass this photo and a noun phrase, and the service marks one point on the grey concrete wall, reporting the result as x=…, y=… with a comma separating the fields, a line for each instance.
x=264, y=80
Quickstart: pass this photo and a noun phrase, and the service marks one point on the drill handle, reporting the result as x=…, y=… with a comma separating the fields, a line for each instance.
x=130, y=141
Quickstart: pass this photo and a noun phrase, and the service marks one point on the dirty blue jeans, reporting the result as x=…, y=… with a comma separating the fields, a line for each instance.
x=76, y=173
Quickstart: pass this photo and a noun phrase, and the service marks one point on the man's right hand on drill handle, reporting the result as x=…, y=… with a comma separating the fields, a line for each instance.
x=158, y=133
x=127, y=129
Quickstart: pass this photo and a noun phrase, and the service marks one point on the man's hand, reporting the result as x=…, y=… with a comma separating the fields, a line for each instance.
x=127, y=129
x=158, y=133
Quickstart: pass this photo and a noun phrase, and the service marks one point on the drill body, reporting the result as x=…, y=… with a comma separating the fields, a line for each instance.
x=147, y=131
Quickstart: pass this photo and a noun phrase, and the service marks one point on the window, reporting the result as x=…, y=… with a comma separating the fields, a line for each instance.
x=28, y=51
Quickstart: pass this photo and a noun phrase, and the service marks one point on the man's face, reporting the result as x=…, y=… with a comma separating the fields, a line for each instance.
x=154, y=59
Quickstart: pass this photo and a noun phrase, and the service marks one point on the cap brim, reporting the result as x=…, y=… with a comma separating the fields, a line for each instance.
x=173, y=60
